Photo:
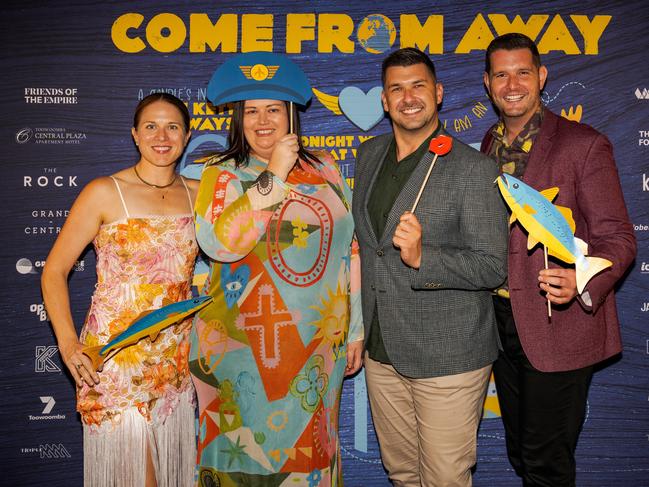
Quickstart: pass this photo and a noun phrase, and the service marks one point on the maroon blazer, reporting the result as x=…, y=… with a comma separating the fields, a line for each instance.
x=579, y=161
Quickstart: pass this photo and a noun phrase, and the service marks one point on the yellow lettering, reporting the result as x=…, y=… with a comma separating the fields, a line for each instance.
x=202, y=32
x=194, y=123
x=477, y=37
x=335, y=30
x=343, y=153
x=461, y=124
x=206, y=124
x=220, y=121
x=479, y=110
x=350, y=181
x=119, y=33
x=557, y=37
x=363, y=138
x=166, y=32
x=531, y=28
x=198, y=108
x=428, y=36
x=257, y=32
x=591, y=31
x=299, y=27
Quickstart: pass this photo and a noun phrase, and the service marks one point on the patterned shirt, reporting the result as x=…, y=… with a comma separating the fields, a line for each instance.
x=512, y=158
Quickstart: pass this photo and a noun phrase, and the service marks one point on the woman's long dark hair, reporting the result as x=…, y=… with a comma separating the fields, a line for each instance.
x=238, y=147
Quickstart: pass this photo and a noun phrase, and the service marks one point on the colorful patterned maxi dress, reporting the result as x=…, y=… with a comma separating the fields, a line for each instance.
x=268, y=356
x=145, y=394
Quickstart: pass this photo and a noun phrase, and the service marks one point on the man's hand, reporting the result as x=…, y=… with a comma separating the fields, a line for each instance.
x=559, y=284
x=407, y=238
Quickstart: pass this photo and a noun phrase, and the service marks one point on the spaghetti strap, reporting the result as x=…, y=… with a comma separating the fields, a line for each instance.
x=121, y=197
x=189, y=198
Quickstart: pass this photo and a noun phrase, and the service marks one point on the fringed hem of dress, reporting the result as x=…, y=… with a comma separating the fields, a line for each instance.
x=115, y=454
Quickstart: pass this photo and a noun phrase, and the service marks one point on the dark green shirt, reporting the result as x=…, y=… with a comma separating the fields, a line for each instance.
x=389, y=183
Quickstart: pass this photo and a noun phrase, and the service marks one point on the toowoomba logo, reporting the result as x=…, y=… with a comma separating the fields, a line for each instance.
x=48, y=403
x=50, y=136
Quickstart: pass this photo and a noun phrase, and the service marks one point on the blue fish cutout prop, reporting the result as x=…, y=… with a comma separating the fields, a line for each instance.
x=147, y=324
x=551, y=225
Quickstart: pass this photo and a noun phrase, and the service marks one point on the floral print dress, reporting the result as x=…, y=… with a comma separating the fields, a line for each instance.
x=268, y=356
x=142, y=262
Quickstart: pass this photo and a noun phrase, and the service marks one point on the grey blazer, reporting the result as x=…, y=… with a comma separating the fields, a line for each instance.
x=437, y=320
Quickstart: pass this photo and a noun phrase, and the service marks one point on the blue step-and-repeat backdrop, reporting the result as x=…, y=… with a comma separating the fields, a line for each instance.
x=73, y=71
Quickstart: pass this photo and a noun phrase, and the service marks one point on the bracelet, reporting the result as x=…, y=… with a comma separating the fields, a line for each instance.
x=264, y=182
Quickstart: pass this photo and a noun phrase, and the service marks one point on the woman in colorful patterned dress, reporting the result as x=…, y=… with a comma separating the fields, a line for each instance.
x=269, y=356
x=138, y=410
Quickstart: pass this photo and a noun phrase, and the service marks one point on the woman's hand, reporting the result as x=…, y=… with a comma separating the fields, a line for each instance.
x=354, y=357
x=79, y=365
x=284, y=156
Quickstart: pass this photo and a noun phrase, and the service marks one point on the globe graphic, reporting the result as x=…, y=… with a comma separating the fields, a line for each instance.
x=376, y=33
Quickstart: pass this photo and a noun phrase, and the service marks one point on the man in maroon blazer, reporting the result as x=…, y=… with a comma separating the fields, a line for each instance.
x=544, y=370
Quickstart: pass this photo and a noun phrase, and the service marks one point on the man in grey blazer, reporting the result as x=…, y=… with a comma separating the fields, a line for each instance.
x=426, y=278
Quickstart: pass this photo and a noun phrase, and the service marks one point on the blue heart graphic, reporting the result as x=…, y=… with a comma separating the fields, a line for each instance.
x=363, y=110
x=233, y=284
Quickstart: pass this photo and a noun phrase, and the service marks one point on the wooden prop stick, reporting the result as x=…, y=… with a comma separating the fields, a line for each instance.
x=290, y=117
x=545, y=255
x=440, y=145
x=423, y=185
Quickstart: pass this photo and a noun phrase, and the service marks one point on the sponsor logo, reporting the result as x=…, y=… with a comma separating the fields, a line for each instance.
x=48, y=450
x=45, y=415
x=51, y=96
x=645, y=308
x=50, y=178
x=645, y=182
x=46, y=222
x=640, y=227
x=642, y=95
x=44, y=359
x=49, y=404
x=54, y=450
x=39, y=310
x=24, y=135
x=643, y=137
x=644, y=268
x=49, y=135
x=26, y=266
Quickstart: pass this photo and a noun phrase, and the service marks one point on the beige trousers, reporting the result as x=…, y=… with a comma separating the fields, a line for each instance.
x=427, y=428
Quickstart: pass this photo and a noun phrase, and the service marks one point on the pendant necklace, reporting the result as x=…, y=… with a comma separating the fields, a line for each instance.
x=156, y=186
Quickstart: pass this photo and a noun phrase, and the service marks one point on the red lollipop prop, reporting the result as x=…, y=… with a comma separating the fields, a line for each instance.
x=440, y=146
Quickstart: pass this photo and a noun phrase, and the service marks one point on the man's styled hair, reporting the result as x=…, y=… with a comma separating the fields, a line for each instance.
x=407, y=56
x=510, y=42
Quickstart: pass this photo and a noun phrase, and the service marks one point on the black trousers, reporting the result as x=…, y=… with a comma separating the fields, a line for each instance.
x=542, y=411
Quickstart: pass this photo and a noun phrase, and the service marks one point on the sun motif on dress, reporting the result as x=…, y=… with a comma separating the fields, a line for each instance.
x=214, y=337
x=334, y=316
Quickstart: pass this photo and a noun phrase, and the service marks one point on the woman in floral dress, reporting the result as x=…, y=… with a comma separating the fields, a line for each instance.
x=138, y=410
x=269, y=356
